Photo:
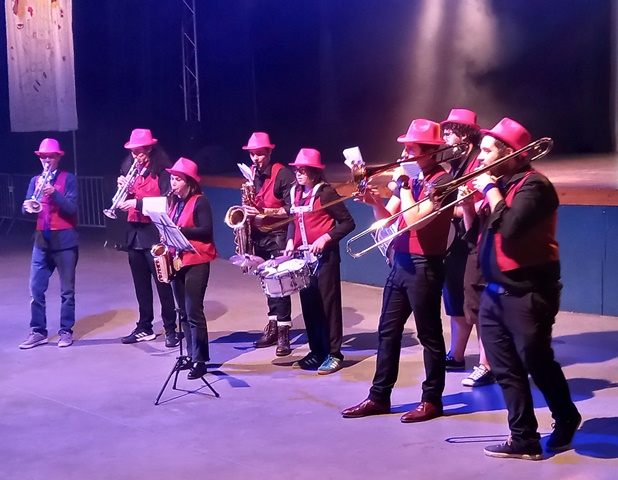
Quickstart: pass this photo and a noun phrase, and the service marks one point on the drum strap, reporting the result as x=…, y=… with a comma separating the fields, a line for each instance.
x=302, y=209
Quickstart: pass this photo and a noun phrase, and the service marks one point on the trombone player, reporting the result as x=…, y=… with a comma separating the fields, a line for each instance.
x=519, y=259
x=415, y=281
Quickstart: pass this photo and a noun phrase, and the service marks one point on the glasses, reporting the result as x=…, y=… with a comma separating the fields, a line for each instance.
x=301, y=171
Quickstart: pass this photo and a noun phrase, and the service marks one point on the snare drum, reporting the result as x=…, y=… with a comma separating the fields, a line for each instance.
x=284, y=279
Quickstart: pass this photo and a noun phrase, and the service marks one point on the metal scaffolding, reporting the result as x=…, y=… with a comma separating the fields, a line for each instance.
x=190, y=75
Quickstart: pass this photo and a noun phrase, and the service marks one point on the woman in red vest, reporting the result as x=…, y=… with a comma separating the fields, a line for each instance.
x=190, y=210
x=319, y=225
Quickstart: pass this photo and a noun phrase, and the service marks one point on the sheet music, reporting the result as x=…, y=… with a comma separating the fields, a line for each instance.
x=169, y=231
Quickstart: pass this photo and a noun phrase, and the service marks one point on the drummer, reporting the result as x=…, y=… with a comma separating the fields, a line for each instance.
x=321, y=220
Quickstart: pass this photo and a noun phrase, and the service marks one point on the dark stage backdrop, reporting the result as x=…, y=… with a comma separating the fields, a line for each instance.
x=328, y=74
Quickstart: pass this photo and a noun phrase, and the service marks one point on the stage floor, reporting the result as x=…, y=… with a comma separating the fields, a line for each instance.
x=87, y=411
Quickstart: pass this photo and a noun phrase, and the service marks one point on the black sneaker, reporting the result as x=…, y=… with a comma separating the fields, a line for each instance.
x=309, y=362
x=529, y=451
x=171, y=340
x=561, y=438
x=139, y=336
x=452, y=364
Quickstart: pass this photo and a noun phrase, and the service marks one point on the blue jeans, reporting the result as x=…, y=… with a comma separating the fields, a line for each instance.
x=44, y=262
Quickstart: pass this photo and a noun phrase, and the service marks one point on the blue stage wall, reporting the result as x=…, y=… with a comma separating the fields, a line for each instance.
x=586, y=235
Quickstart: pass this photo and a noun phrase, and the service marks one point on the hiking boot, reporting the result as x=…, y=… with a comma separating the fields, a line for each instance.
x=283, y=341
x=269, y=337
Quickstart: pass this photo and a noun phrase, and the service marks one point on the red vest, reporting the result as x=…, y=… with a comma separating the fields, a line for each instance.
x=432, y=239
x=535, y=247
x=58, y=220
x=206, y=252
x=317, y=223
x=143, y=187
x=265, y=198
x=473, y=165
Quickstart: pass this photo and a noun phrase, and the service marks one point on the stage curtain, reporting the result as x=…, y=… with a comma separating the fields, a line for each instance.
x=40, y=65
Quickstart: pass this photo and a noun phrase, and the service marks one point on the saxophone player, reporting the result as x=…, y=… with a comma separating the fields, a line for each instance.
x=55, y=244
x=190, y=210
x=272, y=203
x=152, y=181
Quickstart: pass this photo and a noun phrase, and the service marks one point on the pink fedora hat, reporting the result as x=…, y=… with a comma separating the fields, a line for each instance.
x=258, y=140
x=510, y=132
x=184, y=166
x=308, y=157
x=140, y=137
x=462, y=116
x=49, y=145
x=422, y=131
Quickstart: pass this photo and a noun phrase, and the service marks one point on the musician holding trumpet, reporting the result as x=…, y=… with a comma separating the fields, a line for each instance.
x=414, y=284
x=143, y=175
x=52, y=196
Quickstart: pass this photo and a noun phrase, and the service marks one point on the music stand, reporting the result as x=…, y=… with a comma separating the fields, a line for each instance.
x=172, y=237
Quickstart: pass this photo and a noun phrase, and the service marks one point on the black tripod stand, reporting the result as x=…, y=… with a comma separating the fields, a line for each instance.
x=183, y=362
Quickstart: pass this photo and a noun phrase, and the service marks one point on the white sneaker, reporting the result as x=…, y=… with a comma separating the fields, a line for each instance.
x=479, y=377
x=34, y=340
x=66, y=339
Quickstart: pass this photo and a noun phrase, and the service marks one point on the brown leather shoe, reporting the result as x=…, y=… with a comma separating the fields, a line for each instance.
x=424, y=411
x=366, y=408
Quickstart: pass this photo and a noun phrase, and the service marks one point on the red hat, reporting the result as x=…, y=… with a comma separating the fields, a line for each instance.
x=462, y=116
x=422, y=131
x=49, y=145
x=258, y=140
x=510, y=132
x=140, y=137
x=186, y=167
x=308, y=157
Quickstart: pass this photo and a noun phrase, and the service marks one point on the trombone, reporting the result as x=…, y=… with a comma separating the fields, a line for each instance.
x=438, y=193
x=362, y=175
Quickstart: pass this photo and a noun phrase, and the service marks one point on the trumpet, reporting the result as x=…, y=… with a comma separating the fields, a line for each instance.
x=438, y=193
x=33, y=204
x=121, y=194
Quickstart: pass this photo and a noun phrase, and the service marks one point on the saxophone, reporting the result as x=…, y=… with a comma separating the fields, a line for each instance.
x=165, y=264
x=237, y=219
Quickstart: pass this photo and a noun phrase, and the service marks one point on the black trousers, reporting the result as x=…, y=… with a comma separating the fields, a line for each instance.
x=412, y=286
x=322, y=309
x=189, y=289
x=143, y=271
x=267, y=246
x=516, y=333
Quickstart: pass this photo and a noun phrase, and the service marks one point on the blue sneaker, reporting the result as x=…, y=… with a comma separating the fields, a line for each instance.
x=330, y=365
